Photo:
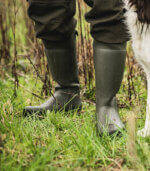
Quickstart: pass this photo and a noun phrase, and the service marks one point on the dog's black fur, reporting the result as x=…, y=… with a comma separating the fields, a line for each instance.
x=142, y=10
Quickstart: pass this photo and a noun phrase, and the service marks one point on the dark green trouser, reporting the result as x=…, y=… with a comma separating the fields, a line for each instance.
x=54, y=20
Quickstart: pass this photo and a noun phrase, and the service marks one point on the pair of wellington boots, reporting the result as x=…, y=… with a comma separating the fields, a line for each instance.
x=109, y=61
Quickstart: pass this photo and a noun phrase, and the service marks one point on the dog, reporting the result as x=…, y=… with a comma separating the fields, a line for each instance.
x=137, y=18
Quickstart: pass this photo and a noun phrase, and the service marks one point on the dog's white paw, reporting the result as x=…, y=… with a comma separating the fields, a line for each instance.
x=145, y=132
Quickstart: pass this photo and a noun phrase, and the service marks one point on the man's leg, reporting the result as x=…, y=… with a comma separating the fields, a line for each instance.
x=110, y=36
x=55, y=25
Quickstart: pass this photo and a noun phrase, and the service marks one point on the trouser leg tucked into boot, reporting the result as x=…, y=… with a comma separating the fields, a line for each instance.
x=109, y=62
x=64, y=70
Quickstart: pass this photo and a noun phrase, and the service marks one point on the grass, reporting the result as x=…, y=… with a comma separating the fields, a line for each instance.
x=66, y=141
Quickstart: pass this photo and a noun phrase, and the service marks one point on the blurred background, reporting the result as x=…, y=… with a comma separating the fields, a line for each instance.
x=22, y=55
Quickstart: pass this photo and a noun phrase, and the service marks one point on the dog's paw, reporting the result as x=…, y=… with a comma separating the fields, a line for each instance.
x=145, y=132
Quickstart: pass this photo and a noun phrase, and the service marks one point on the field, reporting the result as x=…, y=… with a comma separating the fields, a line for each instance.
x=62, y=140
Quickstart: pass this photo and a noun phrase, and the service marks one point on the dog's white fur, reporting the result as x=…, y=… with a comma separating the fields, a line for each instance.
x=141, y=48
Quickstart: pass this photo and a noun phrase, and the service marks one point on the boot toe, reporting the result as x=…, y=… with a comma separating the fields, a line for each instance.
x=109, y=120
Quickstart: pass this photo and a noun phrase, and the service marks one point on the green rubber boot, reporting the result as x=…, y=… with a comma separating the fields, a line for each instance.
x=64, y=70
x=109, y=61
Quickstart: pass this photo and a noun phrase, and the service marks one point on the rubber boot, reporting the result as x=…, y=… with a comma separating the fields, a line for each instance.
x=109, y=61
x=64, y=70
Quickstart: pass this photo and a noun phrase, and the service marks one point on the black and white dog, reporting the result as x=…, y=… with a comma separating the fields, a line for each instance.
x=138, y=22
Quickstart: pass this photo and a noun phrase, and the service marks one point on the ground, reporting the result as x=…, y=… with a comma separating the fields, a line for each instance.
x=68, y=141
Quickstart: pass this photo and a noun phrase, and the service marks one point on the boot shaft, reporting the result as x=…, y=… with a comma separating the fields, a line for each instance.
x=62, y=61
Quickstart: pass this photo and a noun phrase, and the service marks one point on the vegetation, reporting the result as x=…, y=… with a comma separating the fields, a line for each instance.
x=62, y=141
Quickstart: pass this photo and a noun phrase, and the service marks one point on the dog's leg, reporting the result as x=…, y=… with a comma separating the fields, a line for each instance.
x=145, y=132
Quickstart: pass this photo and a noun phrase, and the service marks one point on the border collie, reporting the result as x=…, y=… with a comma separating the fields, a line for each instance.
x=138, y=22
